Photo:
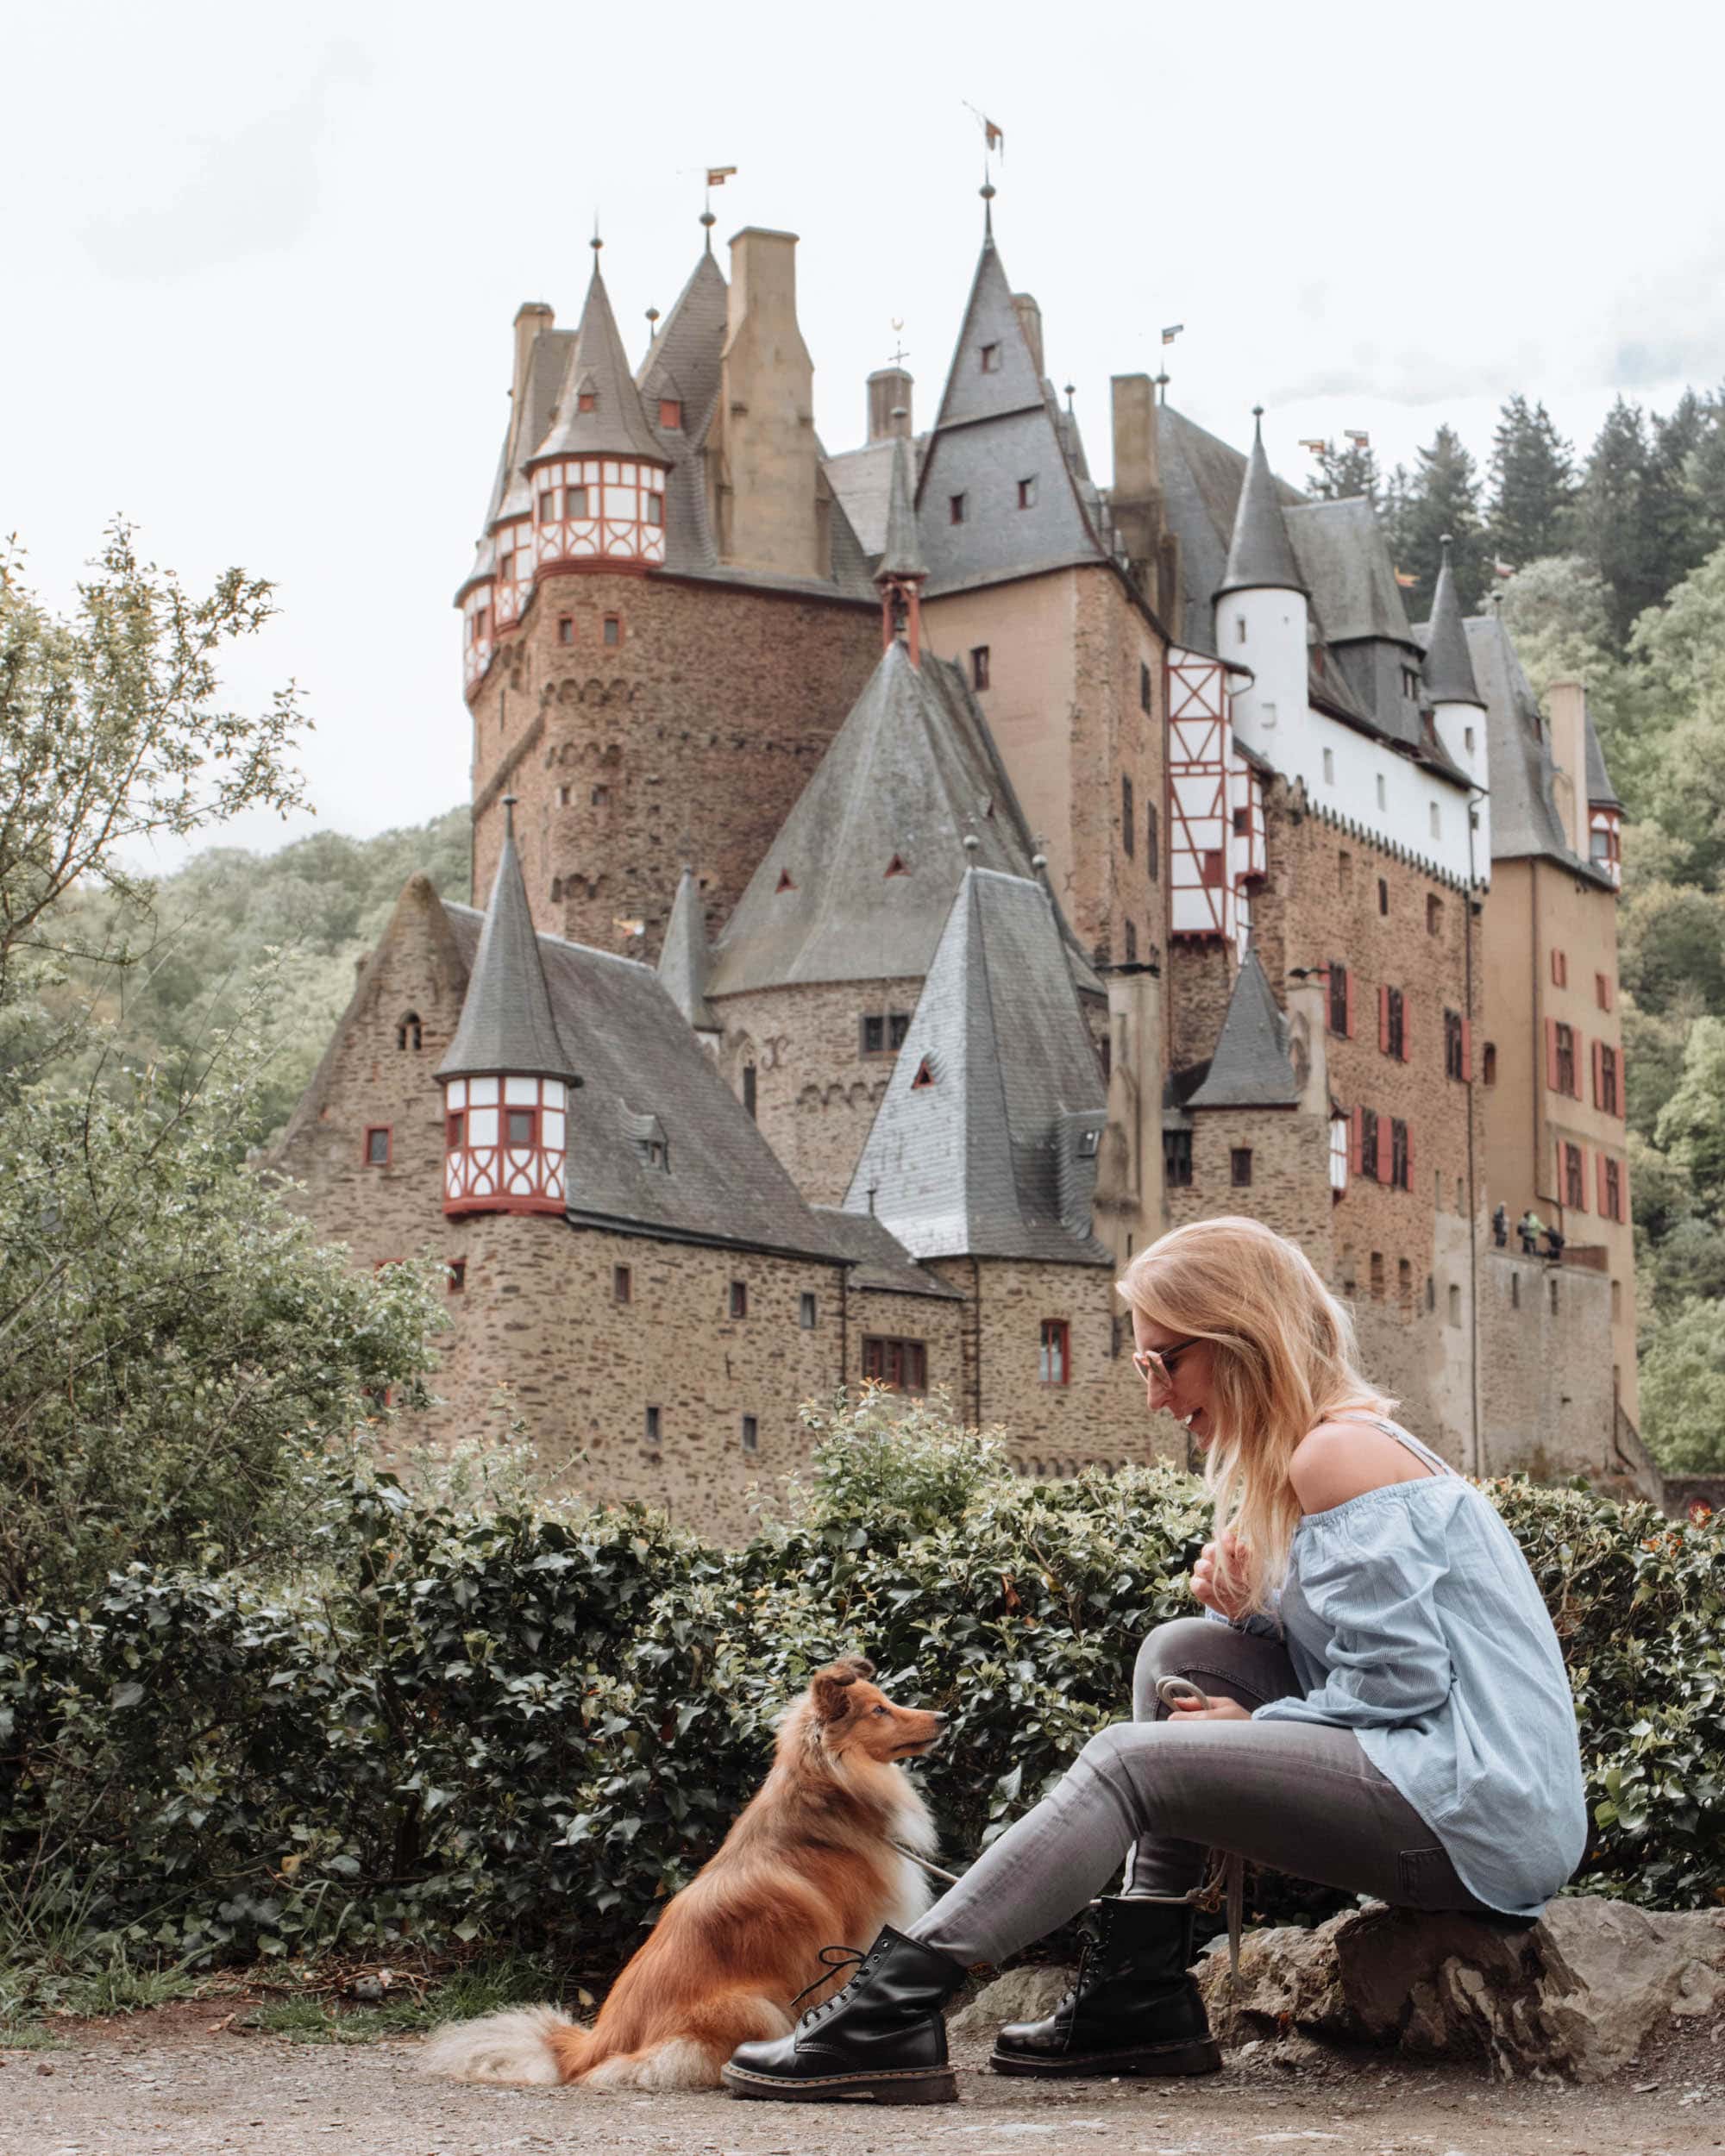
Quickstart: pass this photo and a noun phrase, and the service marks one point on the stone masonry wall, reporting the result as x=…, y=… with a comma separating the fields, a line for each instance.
x=689, y=738
x=1546, y=1353
x=1201, y=979
x=1290, y=1188
x=1119, y=880
x=938, y=1323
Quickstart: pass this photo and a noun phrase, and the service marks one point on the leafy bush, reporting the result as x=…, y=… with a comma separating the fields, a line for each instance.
x=534, y=1727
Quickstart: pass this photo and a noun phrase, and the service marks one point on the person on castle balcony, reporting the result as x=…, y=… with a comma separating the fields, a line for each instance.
x=1383, y=1708
x=1530, y=1228
x=1500, y=1228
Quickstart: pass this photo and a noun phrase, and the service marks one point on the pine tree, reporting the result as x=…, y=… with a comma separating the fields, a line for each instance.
x=1675, y=527
x=1344, y=475
x=1533, y=486
x=1708, y=471
x=1614, y=516
x=1442, y=496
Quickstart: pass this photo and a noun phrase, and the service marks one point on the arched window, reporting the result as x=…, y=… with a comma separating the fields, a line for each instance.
x=407, y=1033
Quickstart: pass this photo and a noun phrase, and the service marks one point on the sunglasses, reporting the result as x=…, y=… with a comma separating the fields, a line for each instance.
x=1153, y=1362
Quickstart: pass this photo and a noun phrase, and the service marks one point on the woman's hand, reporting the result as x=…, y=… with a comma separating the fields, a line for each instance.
x=1215, y=1709
x=1207, y=1584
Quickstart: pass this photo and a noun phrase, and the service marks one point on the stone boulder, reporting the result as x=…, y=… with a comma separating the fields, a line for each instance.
x=1575, y=1994
x=1022, y=1994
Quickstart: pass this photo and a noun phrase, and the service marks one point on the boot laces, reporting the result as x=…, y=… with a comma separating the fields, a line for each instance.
x=833, y=1958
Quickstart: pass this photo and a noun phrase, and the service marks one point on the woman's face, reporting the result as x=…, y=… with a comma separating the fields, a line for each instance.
x=1179, y=1379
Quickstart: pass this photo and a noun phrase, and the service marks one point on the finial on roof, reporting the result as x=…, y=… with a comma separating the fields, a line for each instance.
x=509, y=802
x=1257, y=423
x=971, y=842
x=1038, y=862
x=708, y=221
x=652, y=321
x=986, y=191
x=1447, y=670
x=1068, y=395
x=1260, y=553
x=596, y=243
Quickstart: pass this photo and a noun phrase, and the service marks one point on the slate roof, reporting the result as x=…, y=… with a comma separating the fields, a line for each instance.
x=911, y=774
x=683, y=359
x=547, y=363
x=862, y=484
x=645, y=1075
x=599, y=368
x=995, y=1157
x=1202, y=476
x=507, y=1024
x=1448, y=670
x=878, y=1259
x=1260, y=553
x=902, y=555
x=1346, y=563
x=684, y=958
x=1524, y=812
x=1250, y=1065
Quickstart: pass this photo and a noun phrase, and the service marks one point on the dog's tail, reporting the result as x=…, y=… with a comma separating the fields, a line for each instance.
x=532, y=2044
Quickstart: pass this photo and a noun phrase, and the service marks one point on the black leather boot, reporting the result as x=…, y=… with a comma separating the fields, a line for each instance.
x=1134, y=2009
x=881, y=2036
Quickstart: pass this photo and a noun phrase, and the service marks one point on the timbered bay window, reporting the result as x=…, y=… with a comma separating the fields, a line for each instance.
x=600, y=508
x=504, y=1145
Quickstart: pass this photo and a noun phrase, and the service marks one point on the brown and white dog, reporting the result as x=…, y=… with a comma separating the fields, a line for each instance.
x=810, y=1863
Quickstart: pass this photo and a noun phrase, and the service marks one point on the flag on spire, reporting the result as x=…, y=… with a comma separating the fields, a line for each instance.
x=1172, y=331
x=718, y=174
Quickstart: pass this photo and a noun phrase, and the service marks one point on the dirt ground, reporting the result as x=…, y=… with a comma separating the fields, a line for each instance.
x=177, y=2083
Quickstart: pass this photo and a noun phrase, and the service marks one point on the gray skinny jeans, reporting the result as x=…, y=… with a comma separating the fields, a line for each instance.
x=1300, y=1797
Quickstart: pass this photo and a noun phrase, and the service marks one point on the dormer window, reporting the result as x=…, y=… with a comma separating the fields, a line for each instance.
x=1087, y=1141
x=1027, y=493
x=408, y=1033
x=896, y=866
x=671, y=412
x=979, y=666
x=925, y=1076
x=586, y=400
x=991, y=358
x=955, y=508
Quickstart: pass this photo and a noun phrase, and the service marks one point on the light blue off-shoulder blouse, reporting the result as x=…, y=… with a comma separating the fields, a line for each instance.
x=1412, y=1617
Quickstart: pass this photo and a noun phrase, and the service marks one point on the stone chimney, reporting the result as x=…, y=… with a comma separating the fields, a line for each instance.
x=768, y=516
x=1568, y=701
x=1030, y=321
x=1136, y=495
x=889, y=391
x=530, y=318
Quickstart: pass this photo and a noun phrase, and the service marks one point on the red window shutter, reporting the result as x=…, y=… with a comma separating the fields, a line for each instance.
x=1384, y=1149
x=1408, y=1150
x=1382, y=1020
x=1347, y=997
x=1576, y=1065
x=1406, y=1025
x=1623, y=1190
x=1551, y=1055
x=1598, y=1083
x=1622, y=1093
x=1581, y=1180
x=1467, y=1048
x=1604, y=1197
x=1354, y=1154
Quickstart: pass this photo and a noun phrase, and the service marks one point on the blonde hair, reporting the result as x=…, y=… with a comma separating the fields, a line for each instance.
x=1283, y=1360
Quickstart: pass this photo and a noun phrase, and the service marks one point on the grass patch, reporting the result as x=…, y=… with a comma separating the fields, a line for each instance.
x=51, y=1962
x=482, y=1987
x=29, y=2036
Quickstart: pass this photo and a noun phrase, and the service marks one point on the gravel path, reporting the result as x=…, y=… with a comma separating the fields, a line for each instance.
x=166, y=2083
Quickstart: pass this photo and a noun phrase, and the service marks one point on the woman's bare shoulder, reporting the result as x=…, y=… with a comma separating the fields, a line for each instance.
x=1344, y=1459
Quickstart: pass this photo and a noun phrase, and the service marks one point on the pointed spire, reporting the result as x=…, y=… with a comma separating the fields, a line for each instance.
x=506, y=1025
x=1250, y=1067
x=1448, y=671
x=1260, y=553
x=600, y=411
x=684, y=963
x=903, y=557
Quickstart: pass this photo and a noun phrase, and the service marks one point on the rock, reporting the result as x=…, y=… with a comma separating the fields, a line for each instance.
x=1575, y=1994
x=1022, y=1994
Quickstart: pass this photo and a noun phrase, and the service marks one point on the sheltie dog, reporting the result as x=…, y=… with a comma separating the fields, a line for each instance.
x=810, y=1863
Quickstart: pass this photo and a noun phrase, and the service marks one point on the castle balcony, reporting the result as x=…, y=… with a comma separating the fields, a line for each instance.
x=598, y=512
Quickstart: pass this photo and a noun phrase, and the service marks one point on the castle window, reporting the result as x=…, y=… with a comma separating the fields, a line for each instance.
x=574, y=501
x=455, y=1129
x=651, y=1432
x=805, y=1311
x=1575, y=1188
x=613, y=630
x=1054, y=1358
x=1605, y=1080
x=751, y=1434
x=586, y=400
x=1601, y=991
x=1515, y=1291
x=1344, y=869
x=739, y=1298
x=671, y=412
x=897, y=1025
x=1559, y=969
x=955, y=508
x=1437, y=819
x=784, y=882
x=565, y=629
x=601, y=797
x=1128, y=821
x=874, y=1034
x=1400, y=1156
x=1611, y=1176
x=1239, y=1167
x=622, y=1284
x=1177, y=1159
x=1382, y=791
x=1410, y=682
x=748, y=1091
x=1368, y=1147
x=1404, y=1283
x=1467, y=739
x=979, y=666
x=457, y=1270
x=1434, y=914
x=522, y=1126
x=896, y=866
x=1455, y=1048
x=655, y=509
x=1487, y=1071
x=924, y=1077
x=1455, y=1304
x=556, y=890
x=407, y=1033
x=547, y=504
x=1242, y=823
x=991, y=358
x=1152, y=844
x=1392, y=1023
x=1142, y=686
x=377, y=1145
x=901, y=1365
x=1027, y=493
x=656, y=1152
x=1132, y=944
x=1377, y=1276
x=1329, y=767
x=1563, y=1061
x=1211, y=869
x=1383, y=896
x=562, y=797
x=1239, y=628
x=1551, y=1291
x=1341, y=1000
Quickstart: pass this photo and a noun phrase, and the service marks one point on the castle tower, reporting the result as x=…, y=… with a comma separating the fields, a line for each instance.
x=1262, y=617
x=508, y=1075
x=902, y=571
x=1457, y=707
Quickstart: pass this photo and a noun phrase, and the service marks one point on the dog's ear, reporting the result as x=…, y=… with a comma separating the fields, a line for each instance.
x=829, y=1689
x=858, y=1663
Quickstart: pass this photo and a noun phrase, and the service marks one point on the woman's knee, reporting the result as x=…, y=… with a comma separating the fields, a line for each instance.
x=1170, y=1650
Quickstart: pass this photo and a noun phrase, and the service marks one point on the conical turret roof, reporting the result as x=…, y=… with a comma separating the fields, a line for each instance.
x=684, y=962
x=506, y=1023
x=1251, y=1067
x=903, y=554
x=1260, y=553
x=598, y=369
x=1448, y=671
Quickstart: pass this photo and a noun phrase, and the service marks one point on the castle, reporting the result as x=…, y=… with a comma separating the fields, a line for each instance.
x=907, y=880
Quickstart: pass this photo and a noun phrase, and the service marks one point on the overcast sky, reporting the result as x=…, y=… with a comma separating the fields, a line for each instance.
x=261, y=263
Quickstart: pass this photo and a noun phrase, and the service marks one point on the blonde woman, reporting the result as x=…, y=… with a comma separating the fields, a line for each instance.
x=1383, y=1708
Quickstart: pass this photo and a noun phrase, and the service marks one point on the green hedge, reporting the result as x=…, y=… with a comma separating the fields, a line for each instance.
x=535, y=1726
